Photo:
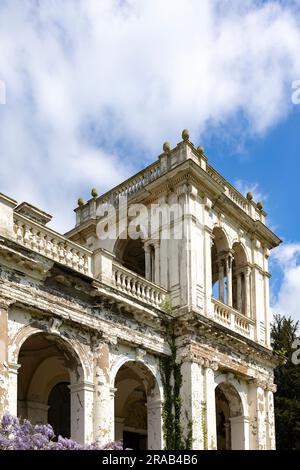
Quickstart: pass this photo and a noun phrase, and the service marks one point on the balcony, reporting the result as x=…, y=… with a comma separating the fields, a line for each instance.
x=233, y=319
x=137, y=287
x=56, y=247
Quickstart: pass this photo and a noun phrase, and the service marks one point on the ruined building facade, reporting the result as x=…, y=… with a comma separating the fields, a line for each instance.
x=85, y=320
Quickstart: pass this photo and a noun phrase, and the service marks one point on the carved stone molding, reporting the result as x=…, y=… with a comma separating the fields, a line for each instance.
x=55, y=324
x=264, y=383
x=109, y=338
x=140, y=353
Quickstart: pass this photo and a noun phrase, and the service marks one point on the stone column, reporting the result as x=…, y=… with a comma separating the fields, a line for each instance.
x=269, y=399
x=247, y=292
x=4, y=375
x=211, y=425
x=257, y=413
x=157, y=262
x=239, y=292
x=221, y=281
x=13, y=388
x=104, y=395
x=228, y=264
x=207, y=247
x=148, y=261
x=81, y=411
x=154, y=423
x=193, y=401
x=239, y=433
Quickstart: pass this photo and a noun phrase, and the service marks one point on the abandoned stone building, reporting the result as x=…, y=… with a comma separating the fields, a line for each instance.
x=85, y=319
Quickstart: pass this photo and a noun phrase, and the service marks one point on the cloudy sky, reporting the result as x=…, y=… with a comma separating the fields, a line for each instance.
x=94, y=88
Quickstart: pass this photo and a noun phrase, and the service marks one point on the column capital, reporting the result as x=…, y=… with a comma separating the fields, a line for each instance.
x=112, y=391
x=210, y=364
x=153, y=404
x=79, y=386
x=248, y=271
x=13, y=368
x=263, y=383
x=5, y=303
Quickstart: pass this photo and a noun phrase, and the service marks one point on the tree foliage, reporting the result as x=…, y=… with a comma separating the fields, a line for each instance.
x=287, y=377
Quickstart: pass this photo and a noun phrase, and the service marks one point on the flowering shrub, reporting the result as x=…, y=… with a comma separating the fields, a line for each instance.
x=18, y=434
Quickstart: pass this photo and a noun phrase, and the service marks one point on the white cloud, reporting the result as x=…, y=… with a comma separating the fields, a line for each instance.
x=287, y=300
x=245, y=187
x=84, y=76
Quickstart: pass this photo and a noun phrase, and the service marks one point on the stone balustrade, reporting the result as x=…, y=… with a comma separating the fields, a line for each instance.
x=136, y=183
x=233, y=319
x=229, y=190
x=49, y=243
x=136, y=286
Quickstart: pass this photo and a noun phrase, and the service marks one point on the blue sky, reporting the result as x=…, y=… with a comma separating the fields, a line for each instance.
x=94, y=88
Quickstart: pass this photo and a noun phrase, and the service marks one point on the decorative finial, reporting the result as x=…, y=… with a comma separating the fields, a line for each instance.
x=167, y=147
x=94, y=192
x=185, y=135
x=200, y=150
x=249, y=196
x=80, y=202
x=259, y=205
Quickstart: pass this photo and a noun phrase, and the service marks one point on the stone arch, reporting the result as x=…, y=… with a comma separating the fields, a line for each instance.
x=130, y=253
x=219, y=252
x=26, y=331
x=232, y=424
x=46, y=359
x=138, y=403
x=221, y=238
x=240, y=253
x=241, y=282
x=132, y=357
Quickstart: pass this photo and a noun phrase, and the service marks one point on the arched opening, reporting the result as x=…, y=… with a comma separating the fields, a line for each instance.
x=137, y=407
x=48, y=369
x=131, y=254
x=229, y=418
x=241, y=280
x=219, y=252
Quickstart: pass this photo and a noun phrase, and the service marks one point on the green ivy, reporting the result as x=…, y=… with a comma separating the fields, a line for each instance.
x=171, y=408
x=203, y=424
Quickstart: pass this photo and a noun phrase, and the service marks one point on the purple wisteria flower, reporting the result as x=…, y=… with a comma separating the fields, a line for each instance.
x=18, y=434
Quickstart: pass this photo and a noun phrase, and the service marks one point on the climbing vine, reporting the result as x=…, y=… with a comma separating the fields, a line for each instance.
x=203, y=424
x=171, y=375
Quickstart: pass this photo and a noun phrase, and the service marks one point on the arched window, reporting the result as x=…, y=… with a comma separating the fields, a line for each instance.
x=131, y=254
x=241, y=280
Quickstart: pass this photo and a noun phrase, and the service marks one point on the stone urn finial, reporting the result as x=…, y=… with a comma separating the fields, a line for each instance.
x=259, y=206
x=200, y=150
x=249, y=196
x=167, y=148
x=94, y=192
x=80, y=202
x=185, y=135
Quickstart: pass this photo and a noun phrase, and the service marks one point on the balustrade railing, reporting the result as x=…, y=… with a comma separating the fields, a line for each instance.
x=136, y=286
x=51, y=244
x=233, y=319
x=132, y=185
